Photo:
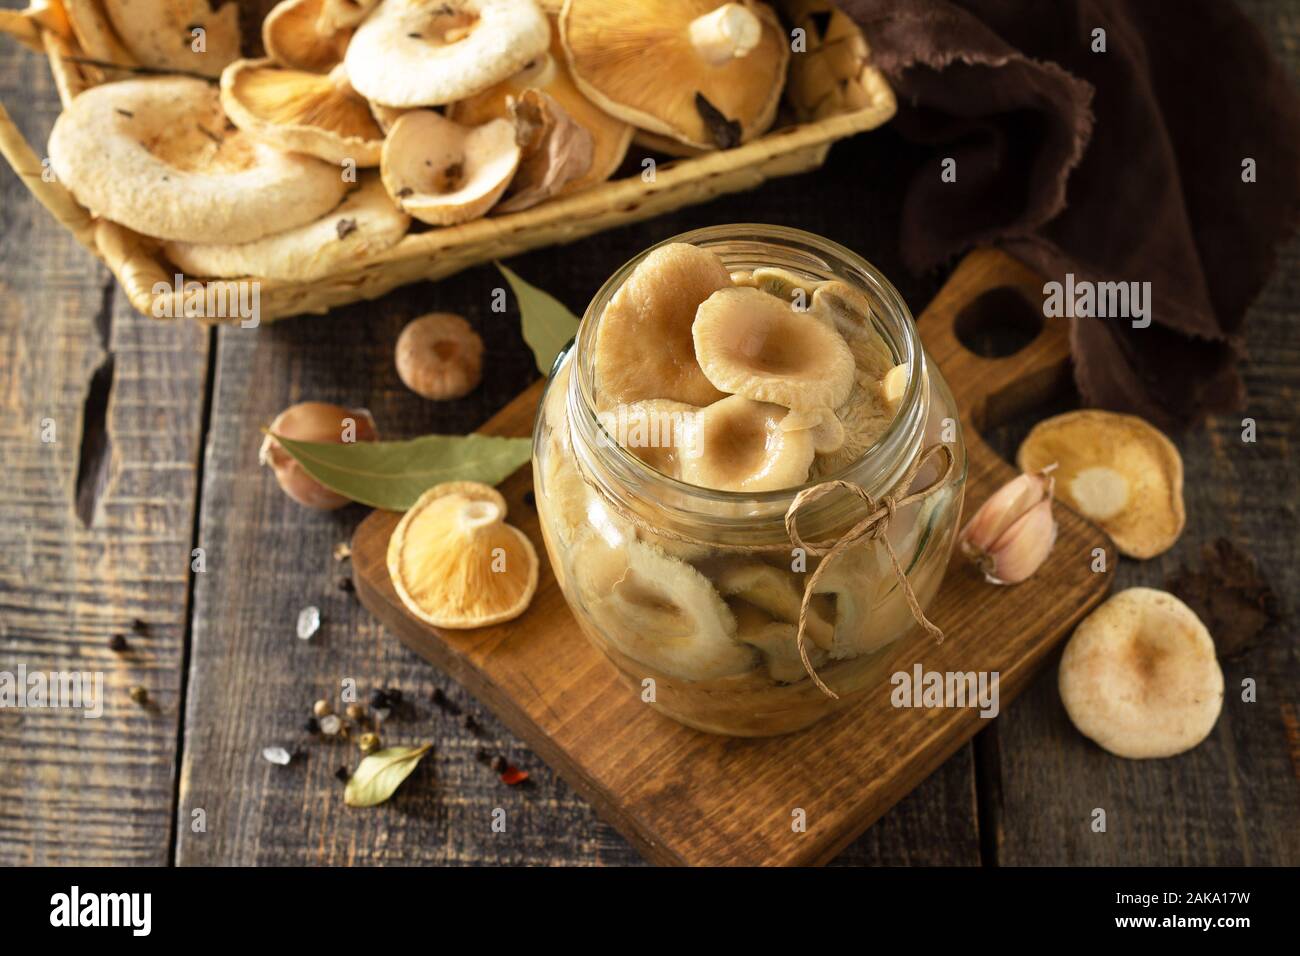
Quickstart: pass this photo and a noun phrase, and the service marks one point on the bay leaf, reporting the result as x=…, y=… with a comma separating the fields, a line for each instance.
x=393, y=474
x=547, y=324
x=380, y=774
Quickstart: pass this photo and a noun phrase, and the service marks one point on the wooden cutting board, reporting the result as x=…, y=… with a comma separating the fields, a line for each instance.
x=684, y=797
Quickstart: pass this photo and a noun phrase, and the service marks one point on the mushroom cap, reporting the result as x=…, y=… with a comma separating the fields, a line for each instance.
x=445, y=559
x=364, y=224
x=657, y=610
x=740, y=446
x=443, y=173
x=159, y=33
x=550, y=74
x=640, y=62
x=751, y=343
x=1118, y=471
x=439, y=356
x=1140, y=678
x=433, y=52
x=656, y=304
x=296, y=111
x=297, y=35
x=156, y=156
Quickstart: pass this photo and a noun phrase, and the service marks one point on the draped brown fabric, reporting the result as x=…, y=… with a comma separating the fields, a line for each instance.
x=1122, y=165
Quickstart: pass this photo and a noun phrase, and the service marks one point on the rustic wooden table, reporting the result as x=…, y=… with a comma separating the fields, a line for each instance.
x=157, y=429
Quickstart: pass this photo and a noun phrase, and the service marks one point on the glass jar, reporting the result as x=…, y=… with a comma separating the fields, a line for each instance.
x=643, y=558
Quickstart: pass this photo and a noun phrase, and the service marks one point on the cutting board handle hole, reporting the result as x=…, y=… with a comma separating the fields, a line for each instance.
x=998, y=323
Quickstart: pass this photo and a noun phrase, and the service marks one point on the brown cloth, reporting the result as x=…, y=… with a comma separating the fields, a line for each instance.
x=1123, y=165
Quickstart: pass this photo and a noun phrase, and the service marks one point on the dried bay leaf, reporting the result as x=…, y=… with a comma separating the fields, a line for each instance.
x=547, y=324
x=393, y=474
x=381, y=773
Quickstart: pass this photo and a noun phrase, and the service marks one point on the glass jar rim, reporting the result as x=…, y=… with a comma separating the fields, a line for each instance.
x=879, y=466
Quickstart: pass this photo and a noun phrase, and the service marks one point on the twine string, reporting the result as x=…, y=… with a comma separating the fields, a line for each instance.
x=873, y=527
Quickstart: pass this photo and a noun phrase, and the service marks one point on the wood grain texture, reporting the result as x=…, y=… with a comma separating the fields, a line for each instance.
x=683, y=797
x=77, y=790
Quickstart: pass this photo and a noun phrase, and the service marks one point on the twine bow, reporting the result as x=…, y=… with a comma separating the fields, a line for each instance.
x=871, y=528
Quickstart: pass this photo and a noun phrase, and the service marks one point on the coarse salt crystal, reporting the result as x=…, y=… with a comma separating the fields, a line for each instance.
x=308, y=622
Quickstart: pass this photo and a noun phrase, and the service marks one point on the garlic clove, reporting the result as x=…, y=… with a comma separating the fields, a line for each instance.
x=1013, y=532
x=1022, y=548
x=1001, y=511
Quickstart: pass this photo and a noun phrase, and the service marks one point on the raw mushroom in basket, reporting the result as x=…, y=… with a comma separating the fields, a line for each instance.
x=415, y=53
x=166, y=36
x=706, y=74
x=156, y=155
x=296, y=111
x=443, y=173
x=297, y=34
x=363, y=225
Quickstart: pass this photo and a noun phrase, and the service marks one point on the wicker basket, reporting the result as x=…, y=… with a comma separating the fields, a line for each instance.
x=832, y=88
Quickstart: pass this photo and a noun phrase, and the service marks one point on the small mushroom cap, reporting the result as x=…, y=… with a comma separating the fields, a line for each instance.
x=657, y=610
x=1117, y=470
x=777, y=641
x=753, y=344
x=162, y=33
x=439, y=356
x=652, y=64
x=777, y=592
x=422, y=53
x=455, y=563
x=296, y=34
x=363, y=225
x=295, y=111
x=741, y=447
x=156, y=156
x=644, y=347
x=1140, y=677
x=550, y=74
x=443, y=173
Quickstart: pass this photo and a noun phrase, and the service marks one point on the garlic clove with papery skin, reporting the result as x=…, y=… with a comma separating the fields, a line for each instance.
x=1013, y=532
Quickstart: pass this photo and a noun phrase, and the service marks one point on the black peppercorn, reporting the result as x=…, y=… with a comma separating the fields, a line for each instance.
x=378, y=698
x=139, y=626
x=345, y=585
x=482, y=756
x=499, y=764
x=117, y=643
x=342, y=774
x=312, y=726
x=444, y=703
x=470, y=724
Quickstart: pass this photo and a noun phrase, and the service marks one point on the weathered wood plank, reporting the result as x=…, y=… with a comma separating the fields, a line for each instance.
x=77, y=790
